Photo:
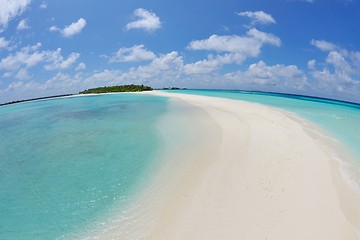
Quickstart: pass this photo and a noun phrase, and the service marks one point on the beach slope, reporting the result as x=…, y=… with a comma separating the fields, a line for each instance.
x=272, y=177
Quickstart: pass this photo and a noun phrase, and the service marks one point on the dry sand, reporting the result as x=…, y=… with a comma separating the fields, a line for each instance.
x=271, y=177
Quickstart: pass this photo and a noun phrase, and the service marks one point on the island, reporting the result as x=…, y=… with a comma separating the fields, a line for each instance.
x=121, y=88
x=173, y=88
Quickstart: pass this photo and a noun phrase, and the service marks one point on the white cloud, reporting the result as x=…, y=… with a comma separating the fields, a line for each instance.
x=3, y=43
x=170, y=70
x=7, y=75
x=132, y=54
x=258, y=17
x=147, y=21
x=54, y=29
x=81, y=66
x=213, y=63
x=22, y=74
x=57, y=61
x=30, y=56
x=323, y=45
x=248, y=45
x=23, y=25
x=335, y=77
x=277, y=77
x=43, y=5
x=311, y=64
x=202, y=66
x=70, y=30
x=74, y=28
x=14, y=86
x=339, y=74
x=339, y=62
x=264, y=37
x=335, y=83
x=10, y=9
x=171, y=61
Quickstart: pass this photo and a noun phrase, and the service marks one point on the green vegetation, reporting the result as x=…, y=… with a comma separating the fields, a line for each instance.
x=122, y=88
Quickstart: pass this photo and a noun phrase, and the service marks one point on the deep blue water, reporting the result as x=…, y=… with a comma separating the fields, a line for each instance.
x=65, y=162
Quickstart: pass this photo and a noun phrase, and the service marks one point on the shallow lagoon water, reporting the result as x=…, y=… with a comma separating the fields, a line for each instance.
x=65, y=162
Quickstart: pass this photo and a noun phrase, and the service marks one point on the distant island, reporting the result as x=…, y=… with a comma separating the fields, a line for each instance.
x=122, y=88
x=110, y=89
x=173, y=88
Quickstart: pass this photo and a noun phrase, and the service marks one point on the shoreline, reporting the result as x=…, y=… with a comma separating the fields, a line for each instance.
x=172, y=176
x=269, y=180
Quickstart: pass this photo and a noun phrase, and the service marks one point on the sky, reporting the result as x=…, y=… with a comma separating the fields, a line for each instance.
x=308, y=47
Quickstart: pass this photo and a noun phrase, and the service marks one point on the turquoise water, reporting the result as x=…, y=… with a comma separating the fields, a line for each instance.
x=340, y=119
x=65, y=162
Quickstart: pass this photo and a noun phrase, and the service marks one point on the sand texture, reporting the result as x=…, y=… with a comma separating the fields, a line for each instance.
x=269, y=177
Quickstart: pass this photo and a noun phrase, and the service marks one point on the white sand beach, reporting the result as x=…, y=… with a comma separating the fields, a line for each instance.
x=271, y=176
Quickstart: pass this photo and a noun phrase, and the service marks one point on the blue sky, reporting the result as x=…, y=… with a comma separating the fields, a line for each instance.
x=309, y=47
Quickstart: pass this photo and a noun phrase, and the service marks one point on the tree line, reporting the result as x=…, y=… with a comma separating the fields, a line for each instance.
x=121, y=88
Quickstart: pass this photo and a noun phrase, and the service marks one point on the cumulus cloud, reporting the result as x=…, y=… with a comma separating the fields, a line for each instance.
x=7, y=75
x=263, y=37
x=31, y=56
x=43, y=5
x=170, y=69
x=132, y=54
x=170, y=61
x=72, y=29
x=3, y=43
x=277, y=77
x=54, y=29
x=27, y=57
x=311, y=64
x=22, y=25
x=323, y=45
x=81, y=66
x=22, y=74
x=57, y=61
x=338, y=61
x=339, y=72
x=10, y=9
x=213, y=63
x=258, y=17
x=335, y=76
x=202, y=66
x=147, y=21
x=248, y=45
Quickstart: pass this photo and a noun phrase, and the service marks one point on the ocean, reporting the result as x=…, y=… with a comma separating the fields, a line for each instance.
x=68, y=164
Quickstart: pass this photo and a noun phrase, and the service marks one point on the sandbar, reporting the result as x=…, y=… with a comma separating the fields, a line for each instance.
x=271, y=176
